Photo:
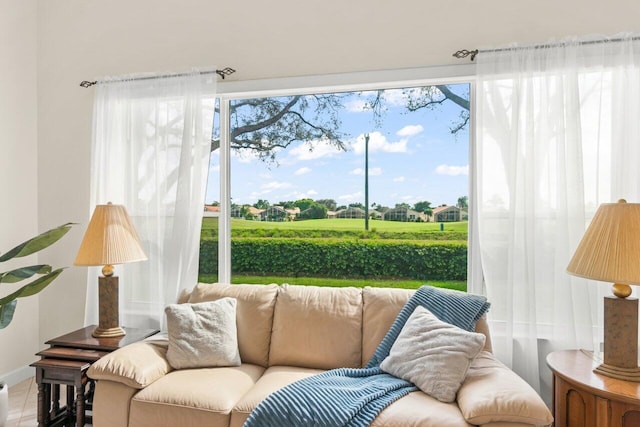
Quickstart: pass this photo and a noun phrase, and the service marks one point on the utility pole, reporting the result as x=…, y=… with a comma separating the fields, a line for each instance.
x=366, y=181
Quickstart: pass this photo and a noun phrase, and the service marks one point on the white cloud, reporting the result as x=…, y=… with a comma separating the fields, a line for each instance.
x=355, y=197
x=314, y=150
x=296, y=195
x=395, y=97
x=356, y=106
x=399, y=179
x=302, y=171
x=410, y=130
x=273, y=185
x=378, y=143
x=267, y=188
x=265, y=175
x=245, y=155
x=399, y=97
x=372, y=171
x=452, y=170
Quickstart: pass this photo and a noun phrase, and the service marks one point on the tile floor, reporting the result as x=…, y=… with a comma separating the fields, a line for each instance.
x=23, y=401
x=23, y=404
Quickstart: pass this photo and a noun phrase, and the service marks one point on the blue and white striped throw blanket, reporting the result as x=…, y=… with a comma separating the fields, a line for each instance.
x=350, y=397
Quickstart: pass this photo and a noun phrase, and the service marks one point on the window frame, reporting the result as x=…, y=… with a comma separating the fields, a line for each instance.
x=345, y=82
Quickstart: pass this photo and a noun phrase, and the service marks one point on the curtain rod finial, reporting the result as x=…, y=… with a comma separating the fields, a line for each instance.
x=464, y=53
x=225, y=72
x=85, y=84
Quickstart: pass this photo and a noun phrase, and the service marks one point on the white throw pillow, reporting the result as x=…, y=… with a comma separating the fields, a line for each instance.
x=202, y=334
x=433, y=355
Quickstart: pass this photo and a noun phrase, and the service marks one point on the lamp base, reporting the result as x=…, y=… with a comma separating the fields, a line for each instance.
x=626, y=374
x=108, y=314
x=620, y=339
x=108, y=333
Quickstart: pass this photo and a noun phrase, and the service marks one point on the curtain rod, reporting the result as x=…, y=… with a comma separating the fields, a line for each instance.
x=222, y=73
x=472, y=53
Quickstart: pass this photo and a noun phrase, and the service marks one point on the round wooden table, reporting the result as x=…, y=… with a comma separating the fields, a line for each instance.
x=582, y=398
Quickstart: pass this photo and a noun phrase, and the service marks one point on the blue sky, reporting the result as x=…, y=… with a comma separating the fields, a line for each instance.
x=412, y=157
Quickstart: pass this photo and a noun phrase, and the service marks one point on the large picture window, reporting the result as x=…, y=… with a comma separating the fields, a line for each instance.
x=366, y=188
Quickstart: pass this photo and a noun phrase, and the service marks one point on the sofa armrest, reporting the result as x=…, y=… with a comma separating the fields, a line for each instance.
x=136, y=365
x=494, y=393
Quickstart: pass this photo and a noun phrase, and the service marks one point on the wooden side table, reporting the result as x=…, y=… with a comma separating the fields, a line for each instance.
x=582, y=398
x=66, y=362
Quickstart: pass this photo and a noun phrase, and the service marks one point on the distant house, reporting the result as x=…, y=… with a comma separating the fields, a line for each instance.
x=293, y=213
x=332, y=214
x=446, y=214
x=350, y=213
x=241, y=212
x=274, y=214
x=211, y=211
x=236, y=212
x=403, y=214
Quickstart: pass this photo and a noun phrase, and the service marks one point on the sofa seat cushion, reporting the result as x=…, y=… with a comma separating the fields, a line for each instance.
x=254, y=315
x=419, y=410
x=273, y=379
x=317, y=327
x=415, y=409
x=193, y=397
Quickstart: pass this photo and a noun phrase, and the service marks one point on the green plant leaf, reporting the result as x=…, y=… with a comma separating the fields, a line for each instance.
x=37, y=243
x=6, y=313
x=19, y=274
x=32, y=288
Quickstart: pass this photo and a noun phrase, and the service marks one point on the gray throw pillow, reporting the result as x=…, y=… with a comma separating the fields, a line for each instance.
x=202, y=334
x=433, y=355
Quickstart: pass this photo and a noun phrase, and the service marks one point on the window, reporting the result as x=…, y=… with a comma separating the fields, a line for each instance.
x=345, y=189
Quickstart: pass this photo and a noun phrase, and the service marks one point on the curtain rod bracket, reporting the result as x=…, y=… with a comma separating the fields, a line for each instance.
x=85, y=84
x=464, y=53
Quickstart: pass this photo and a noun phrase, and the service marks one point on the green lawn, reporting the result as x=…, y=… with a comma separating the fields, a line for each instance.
x=342, y=225
x=358, y=283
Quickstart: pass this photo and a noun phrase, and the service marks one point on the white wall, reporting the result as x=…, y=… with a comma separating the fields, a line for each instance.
x=87, y=39
x=18, y=169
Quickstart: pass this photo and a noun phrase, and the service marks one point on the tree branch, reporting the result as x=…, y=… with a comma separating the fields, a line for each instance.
x=464, y=103
x=268, y=122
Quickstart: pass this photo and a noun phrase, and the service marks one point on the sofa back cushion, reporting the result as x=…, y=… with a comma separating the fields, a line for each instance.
x=254, y=311
x=381, y=307
x=317, y=327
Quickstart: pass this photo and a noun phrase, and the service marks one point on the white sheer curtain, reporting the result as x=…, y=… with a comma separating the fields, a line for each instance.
x=558, y=130
x=151, y=146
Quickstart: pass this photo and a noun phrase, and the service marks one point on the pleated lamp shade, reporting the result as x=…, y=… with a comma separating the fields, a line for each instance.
x=110, y=238
x=610, y=248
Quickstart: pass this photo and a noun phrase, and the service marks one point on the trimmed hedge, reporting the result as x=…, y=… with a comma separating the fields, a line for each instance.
x=341, y=258
x=212, y=233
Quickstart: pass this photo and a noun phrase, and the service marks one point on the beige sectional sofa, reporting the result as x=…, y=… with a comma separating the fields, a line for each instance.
x=286, y=333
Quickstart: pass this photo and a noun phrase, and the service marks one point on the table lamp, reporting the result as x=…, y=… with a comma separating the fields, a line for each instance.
x=610, y=252
x=110, y=239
